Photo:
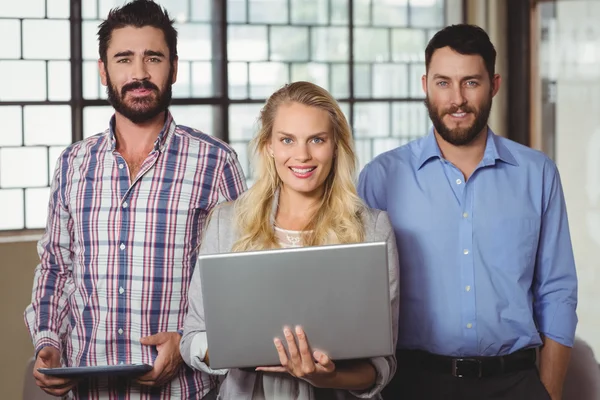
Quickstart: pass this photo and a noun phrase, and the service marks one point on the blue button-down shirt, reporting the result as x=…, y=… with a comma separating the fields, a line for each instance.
x=486, y=265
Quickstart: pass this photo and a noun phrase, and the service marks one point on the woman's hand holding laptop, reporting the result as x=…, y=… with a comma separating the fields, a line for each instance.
x=314, y=367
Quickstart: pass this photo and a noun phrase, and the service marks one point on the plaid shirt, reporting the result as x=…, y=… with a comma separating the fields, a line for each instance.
x=117, y=257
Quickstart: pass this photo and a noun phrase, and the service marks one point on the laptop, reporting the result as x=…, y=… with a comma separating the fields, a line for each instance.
x=339, y=294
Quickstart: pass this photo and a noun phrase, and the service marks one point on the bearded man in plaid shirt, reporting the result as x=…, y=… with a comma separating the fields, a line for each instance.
x=125, y=219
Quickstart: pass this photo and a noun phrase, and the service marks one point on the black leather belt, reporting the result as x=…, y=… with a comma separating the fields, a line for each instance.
x=467, y=367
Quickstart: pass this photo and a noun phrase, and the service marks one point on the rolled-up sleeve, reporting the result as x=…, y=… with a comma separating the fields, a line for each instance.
x=385, y=367
x=555, y=284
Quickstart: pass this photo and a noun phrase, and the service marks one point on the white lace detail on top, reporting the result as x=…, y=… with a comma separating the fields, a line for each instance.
x=288, y=238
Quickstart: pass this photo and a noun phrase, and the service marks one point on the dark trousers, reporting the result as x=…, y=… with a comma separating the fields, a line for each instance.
x=411, y=383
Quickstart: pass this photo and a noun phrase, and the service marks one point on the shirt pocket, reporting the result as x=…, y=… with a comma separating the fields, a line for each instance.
x=510, y=243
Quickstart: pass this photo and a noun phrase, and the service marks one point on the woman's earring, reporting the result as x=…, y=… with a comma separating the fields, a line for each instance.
x=272, y=154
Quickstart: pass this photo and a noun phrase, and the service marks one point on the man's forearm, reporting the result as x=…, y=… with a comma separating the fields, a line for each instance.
x=554, y=361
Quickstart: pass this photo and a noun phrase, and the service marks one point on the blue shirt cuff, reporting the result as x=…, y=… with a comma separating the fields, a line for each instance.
x=557, y=321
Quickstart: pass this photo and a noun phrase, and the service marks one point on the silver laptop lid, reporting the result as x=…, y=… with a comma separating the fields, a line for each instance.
x=339, y=294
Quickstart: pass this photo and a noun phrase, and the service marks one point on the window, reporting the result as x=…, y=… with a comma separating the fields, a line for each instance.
x=35, y=80
x=233, y=55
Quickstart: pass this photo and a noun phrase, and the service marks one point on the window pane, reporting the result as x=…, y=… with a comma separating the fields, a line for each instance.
x=329, y=44
x=385, y=144
x=416, y=72
x=371, y=44
x=202, y=10
x=309, y=12
x=408, y=45
x=238, y=80
x=427, y=13
x=177, y=9
x=345, y=109
x=194, y=42
x=104, y=6
x=390, y=13
x=429, y=34
x=96, y=119
x=23, y=9
x=268, y=11
x=59, y=80
x=59, y=8
x=11, y=199
x=49, y=40
x=36, y=205
x=362, y=80
x=371, y=119
x=390, y=80
x=91, y=80
x=364, y=151
x=313, y=72
x=89, y=40
x=53, y=154
x=289, y=43
x=89, y=9
x=10, y=29
x=47, y=125
x=247, y=43
x=194, y=79
x=367, y=149
x=340, y=75
x=362, y=12
x=243, y=152
x=266, y=78
x=22, y=80
x=409, y=120
x=243, y=125
x=197, y=117
x=182, y=88
x=339, y=11
x=31, y=164
x=378, y=146
x=203, y=84
x=243, y=121
x=12, y=129
x=236, y=11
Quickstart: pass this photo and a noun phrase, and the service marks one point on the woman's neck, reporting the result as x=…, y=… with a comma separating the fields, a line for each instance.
x=295, y=209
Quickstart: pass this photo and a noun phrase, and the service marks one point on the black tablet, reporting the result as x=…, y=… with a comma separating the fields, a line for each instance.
x=96, y=370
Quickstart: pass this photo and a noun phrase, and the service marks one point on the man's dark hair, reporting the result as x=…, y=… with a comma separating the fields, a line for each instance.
x=138, y=13
x=464, y=39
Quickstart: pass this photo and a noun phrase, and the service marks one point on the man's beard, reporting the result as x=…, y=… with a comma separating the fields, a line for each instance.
x=142, y=109
x=460, y=136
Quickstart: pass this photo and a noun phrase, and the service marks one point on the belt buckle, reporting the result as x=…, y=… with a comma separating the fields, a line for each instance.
x=457, y=362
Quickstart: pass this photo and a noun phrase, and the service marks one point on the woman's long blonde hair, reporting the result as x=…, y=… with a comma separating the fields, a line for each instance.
x=338, y=218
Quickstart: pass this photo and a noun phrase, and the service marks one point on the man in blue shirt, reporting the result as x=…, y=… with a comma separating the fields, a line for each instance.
x=487, y=271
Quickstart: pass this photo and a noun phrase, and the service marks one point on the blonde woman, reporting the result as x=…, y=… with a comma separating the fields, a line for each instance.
x=304, y=195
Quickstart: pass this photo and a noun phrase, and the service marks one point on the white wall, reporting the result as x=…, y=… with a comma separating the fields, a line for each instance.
x=577, y=68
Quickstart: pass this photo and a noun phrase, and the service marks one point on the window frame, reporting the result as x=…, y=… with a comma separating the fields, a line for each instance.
x=453, y=13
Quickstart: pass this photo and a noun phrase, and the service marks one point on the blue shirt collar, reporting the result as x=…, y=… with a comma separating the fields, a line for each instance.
x=494, y=150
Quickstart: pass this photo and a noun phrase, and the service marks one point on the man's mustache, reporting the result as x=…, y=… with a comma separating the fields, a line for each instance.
x=138, y=85
x=455, y=109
